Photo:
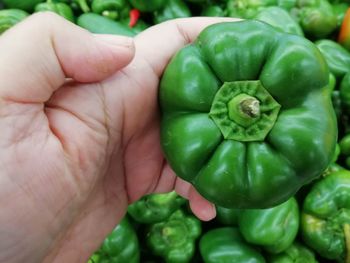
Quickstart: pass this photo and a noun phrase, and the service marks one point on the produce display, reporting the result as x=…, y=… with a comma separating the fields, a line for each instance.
x=255, y=115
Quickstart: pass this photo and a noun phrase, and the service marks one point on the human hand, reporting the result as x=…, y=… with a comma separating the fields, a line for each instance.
x=80, y=134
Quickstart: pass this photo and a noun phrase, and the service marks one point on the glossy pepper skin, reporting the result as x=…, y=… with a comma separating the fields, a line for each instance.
x=279, y=18
x=212, y=133
x=325, y=218
x=296, y=253
x=121, y=245
x=155, y=208
x=174, y=239
x=113, y=9
x=227, y=245
x=337, y=57
x=61, y=9
x=148, y=5
x=26, y=5
x=274, y=228
x=102, y=25
x=173, y=9
x=10, y=17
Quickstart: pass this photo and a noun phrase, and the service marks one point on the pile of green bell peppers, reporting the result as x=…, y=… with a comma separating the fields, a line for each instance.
x=254, y=114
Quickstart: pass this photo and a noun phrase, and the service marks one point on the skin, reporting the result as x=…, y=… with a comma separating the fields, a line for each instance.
x=80, y=134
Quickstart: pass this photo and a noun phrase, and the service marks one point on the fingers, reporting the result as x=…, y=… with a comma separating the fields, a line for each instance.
x=201, y=207
x=39, y=54
x=159, y=43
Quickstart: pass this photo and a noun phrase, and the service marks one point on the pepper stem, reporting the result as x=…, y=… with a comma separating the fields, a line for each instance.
x=84, y=6
x=347, y=242
x=244, y=109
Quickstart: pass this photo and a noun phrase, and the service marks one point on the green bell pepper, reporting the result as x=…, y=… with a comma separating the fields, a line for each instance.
x=296, y=253
x=246, y=114
x=279, y=18
x=26, y=5
x=121, y=245
x=174, y=239
x=10, y=17
x=102, y=25
x=337, y=57
x=155, y=208
x=61, y=9
x=325, y=218
x=274, y=228
x=316, y=17
x=227, y=245
x=148, y=5
x=173, y=9
x=113, y=9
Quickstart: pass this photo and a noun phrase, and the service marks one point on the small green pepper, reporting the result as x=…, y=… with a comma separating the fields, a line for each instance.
x=325, y=217
x=337, y=57
x=61, y=9
x=174, y=239
x=296, y=253
x=227, y=245
x=316, y=17
x=279, y=18
x=10, y=17
x=102, y=25
x=274, y=228
x=173, y=9
x=121, y=245
x=154, y=208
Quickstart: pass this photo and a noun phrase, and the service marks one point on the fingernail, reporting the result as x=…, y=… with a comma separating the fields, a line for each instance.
x=116, y=41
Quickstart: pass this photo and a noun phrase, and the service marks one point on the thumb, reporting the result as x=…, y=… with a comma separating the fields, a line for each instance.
x=40, y=53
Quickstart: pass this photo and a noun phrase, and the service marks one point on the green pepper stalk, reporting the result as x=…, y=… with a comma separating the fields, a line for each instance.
x=174, y=239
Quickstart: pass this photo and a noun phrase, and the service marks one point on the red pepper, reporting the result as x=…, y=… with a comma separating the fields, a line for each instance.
x=344, y=34
x=134, y=17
